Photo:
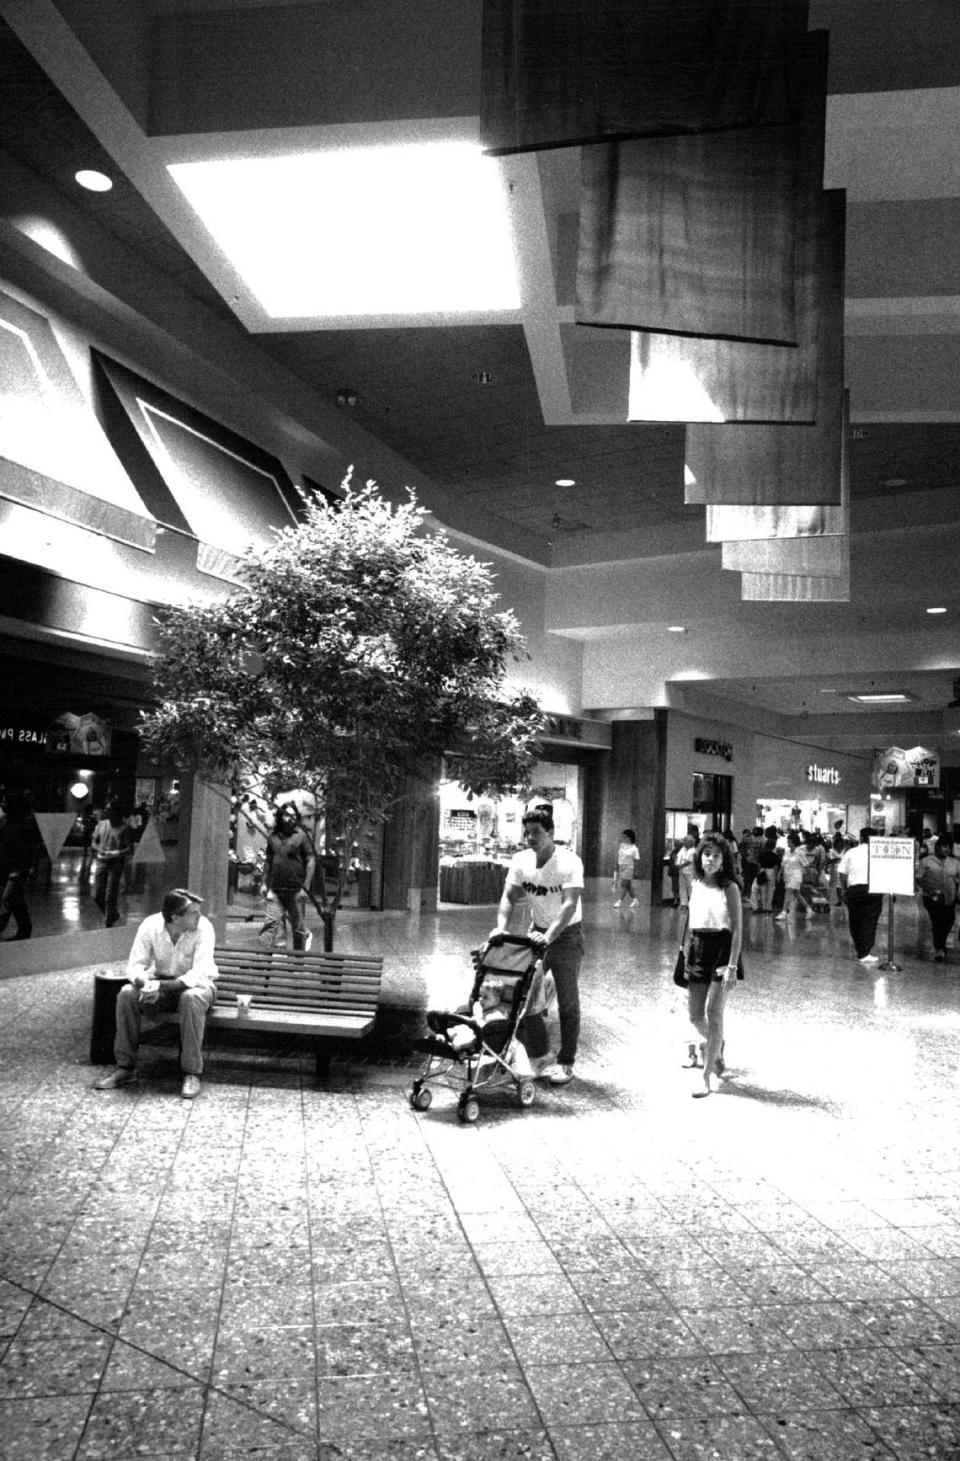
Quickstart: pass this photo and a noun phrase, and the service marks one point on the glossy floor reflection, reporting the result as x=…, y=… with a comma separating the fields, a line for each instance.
x=288, y=1271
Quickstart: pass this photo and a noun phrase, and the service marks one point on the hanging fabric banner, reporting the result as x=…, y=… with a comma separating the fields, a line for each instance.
x=785, y=588
x=808, y=570
x=702, y=235
x=792, y=465
x=559, y=72
x=818, y=557
x=732, y=524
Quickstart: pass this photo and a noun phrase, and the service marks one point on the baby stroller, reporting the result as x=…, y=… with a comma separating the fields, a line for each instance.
x=476, y=1048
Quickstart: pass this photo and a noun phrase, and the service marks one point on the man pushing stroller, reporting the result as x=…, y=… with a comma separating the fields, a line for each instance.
x=551, y=877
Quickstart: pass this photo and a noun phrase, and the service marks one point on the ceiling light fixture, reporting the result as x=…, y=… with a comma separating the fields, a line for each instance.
x=895, y=482
x=881, y=697
x=346, y=397
x=93, y=181
x=937, y=609
x=397, y=229
x=676, y=629
x=565, y=482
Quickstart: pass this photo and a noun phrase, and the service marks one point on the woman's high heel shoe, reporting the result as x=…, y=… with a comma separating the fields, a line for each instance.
x=691, y=1062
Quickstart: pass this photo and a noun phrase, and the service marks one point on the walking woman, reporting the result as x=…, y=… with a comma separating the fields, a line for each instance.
x=712, y=950
x=937, y=880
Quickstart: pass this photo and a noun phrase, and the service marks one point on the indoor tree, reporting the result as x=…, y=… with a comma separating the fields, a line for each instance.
x=358, y=648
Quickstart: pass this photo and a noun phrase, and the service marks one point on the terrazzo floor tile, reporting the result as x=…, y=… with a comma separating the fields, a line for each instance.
x=938, y=1365
x=135, y=1369
x=252, y=1355
x=446, y=1341
x=44, y=1429
x=636, y=1333
x=49, y=1367
x=364, y=1349
x=637, y=1439
x=519, y=1445
x=370, y=1407
x=785, y=1379
x=620, y=1288
x=472, y=1401
x=582, y=1393
x=159, y=1423
x=917, y=1433
x=534, y=1294
x=670, y=1388
x=866, y=1377
x=538, y=1340
x=736, y=1330
x=826, y=1435
x=719, y=1438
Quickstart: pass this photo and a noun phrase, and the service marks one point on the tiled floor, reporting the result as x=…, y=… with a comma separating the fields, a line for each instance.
x=283, y=1271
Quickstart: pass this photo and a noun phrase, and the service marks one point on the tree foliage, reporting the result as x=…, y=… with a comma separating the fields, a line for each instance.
x=358, y=649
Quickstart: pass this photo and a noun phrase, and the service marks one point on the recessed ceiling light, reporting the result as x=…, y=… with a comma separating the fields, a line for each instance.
x=938, y=609
x=382, y=230
x=676, y=629
x=93, y=181
x=895, y=482
x=882, y=697
x=565, y=482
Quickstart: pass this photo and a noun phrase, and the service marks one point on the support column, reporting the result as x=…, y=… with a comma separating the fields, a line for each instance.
x=411, y=849
x=627, y=789
x=201, y=861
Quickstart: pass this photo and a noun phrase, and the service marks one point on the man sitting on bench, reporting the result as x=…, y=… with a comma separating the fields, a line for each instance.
x=171, y=967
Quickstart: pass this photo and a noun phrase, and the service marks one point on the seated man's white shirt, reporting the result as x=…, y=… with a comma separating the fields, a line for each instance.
x=155, y=956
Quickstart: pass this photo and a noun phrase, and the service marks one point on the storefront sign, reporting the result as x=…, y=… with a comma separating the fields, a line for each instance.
x=823, y=775
x=894, y=768
x=705, y=747
x=22, y=735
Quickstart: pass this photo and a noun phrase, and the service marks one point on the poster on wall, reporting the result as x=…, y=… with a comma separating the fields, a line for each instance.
x=895, y=768
x=892, y=865
x=79, y=735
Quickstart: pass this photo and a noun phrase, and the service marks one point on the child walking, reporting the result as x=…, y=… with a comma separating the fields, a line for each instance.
x=628, y=855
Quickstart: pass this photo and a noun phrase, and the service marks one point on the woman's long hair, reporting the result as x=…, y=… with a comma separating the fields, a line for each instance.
x=726, y=873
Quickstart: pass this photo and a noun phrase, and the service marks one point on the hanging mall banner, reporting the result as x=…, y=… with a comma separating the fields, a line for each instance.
x=895, y=768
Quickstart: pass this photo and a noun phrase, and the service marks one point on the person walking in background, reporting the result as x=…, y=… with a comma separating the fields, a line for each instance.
x=714, y=931
x=685, y=868
x=114, y=845
x=750, y=844
x=863, y=907
x=288, y=870
x=792, y=869
x=938, y=879
x=16, y=860
x=768, y=870
x=628, y=855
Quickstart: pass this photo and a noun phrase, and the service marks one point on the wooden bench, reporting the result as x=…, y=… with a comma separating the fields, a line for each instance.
x=329, y=996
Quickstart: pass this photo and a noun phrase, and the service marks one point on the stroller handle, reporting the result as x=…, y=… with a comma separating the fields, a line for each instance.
x=519, y=940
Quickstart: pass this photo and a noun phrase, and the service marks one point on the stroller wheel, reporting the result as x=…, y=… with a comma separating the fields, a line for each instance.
x=468, y=1109
x=526, y=1093
x=420, y=1098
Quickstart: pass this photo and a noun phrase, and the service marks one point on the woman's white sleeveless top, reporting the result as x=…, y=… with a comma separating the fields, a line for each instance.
x=708, y=906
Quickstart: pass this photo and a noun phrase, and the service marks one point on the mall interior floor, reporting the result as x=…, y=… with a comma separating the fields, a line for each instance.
x=293, y=1271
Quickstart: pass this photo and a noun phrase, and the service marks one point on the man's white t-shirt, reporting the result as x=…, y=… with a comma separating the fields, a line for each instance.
x=544, y=886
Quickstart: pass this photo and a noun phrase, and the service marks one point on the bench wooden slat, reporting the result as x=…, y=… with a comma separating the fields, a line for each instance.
x=331, y=996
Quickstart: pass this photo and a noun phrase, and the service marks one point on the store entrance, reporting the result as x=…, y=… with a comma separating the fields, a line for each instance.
x=712, y=801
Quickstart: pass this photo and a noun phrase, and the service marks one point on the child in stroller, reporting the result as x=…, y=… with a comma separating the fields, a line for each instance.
x=478, y=1045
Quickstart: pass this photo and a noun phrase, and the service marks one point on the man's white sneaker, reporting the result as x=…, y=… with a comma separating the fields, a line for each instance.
x=561, y=1075
x=307, y=941
x=635, y=903
x=190, y=1087
x=869, y=959
x=617, y=904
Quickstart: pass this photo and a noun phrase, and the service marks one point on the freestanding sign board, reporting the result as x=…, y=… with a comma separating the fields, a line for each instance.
x=891, y=865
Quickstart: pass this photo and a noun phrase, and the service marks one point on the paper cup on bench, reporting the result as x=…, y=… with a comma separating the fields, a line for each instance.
x=243, y=1006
